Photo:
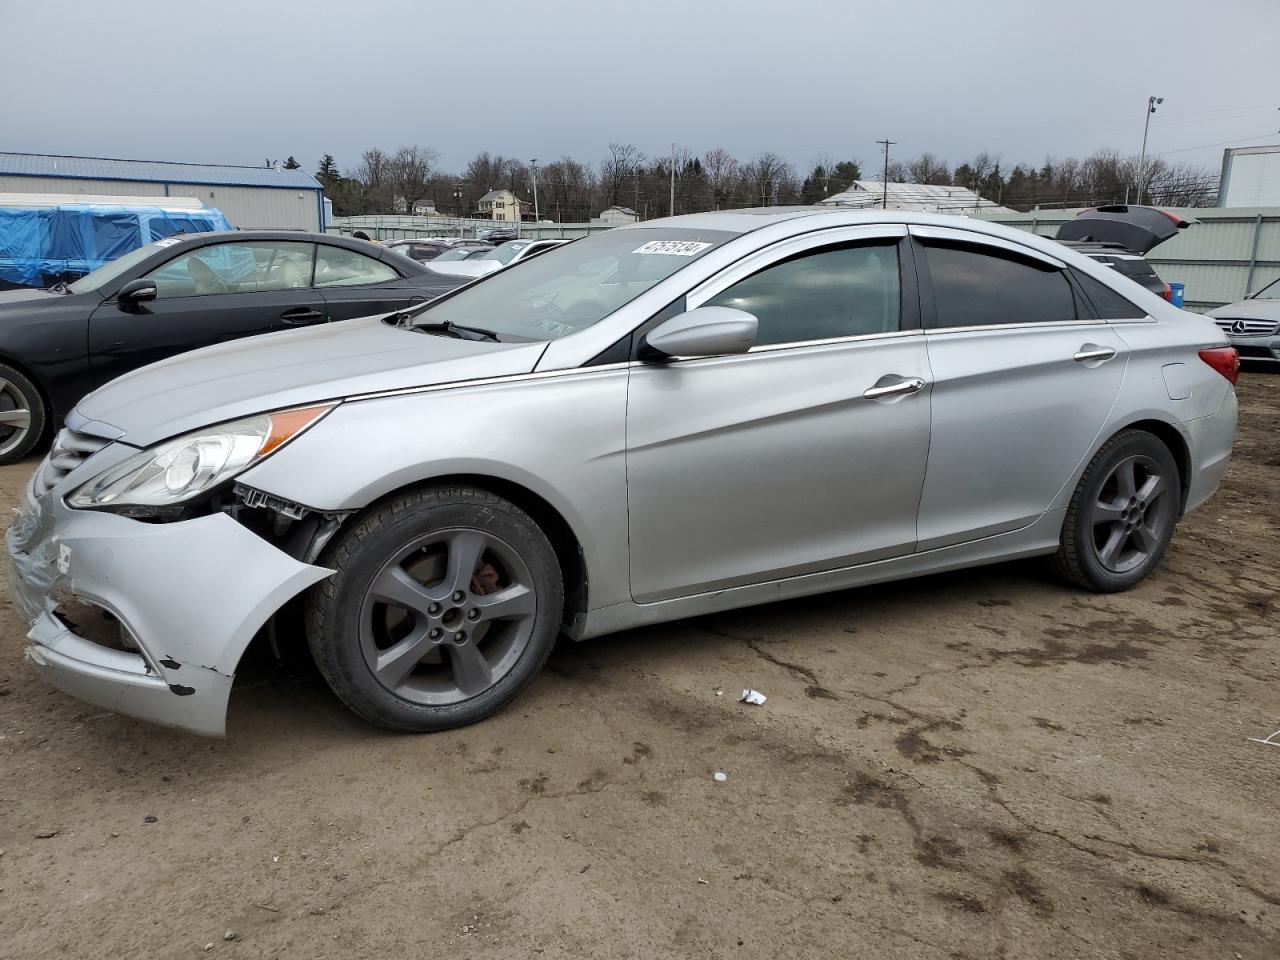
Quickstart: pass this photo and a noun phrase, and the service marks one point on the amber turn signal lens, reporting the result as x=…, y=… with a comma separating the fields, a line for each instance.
x=287, y=424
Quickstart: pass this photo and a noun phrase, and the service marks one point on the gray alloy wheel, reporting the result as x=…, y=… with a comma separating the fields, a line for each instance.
x=448, y=616
x=444, y=604
x=1133, y=514
x=1122, y=514
x=22, y=415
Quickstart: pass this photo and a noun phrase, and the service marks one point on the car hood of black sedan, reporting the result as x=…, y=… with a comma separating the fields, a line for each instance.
x=26, y=298
x=293, y=368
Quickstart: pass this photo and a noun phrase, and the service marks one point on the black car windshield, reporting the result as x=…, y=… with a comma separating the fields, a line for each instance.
x=574, y=286
x=108, y=272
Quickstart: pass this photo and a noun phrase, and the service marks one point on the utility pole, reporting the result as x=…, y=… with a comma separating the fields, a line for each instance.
x=1146, y=126
x=533, y=166
x=673, y=180
x=884, y=202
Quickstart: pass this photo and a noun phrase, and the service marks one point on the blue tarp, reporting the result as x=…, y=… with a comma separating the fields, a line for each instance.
x=43, y=245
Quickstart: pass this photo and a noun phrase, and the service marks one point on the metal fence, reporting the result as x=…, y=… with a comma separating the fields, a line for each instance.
x=390, y=227
x=1230, y=253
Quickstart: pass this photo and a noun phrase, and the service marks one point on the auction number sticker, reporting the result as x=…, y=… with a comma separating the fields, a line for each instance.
x=673, y=248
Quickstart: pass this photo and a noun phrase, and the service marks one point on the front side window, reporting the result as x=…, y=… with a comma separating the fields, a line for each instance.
x=234, y=268
x=834, y=292
x=983, y=286
x=574, y=286
x=339, y=267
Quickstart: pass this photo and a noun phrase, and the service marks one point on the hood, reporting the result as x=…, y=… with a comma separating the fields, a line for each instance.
x=24, y=298
x=291, y=368
x=1248, y=310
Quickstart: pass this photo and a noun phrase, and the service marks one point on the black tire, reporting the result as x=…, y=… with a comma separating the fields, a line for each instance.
x=1113, y=537
x=352, y=627
x=19, y=394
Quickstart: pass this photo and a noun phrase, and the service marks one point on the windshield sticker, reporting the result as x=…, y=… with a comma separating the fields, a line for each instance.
x=167, y=242
x=673, y=248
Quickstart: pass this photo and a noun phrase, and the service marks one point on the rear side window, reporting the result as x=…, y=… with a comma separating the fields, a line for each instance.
x=834, y=292
x=982, y=286
x=340, y=267
x=1108, y=304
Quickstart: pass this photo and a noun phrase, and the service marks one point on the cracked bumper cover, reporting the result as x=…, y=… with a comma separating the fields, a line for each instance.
x=191, y=594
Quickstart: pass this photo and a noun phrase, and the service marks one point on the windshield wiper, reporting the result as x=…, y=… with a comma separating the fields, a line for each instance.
x=452, y=329
x=59, y=287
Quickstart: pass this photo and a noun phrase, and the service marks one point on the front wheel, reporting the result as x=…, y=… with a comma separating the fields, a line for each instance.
x=445, y=604
x=1121, y=517
x=22, y=415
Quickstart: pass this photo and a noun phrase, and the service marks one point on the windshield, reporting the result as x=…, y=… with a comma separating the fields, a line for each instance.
x=1270, y=292
x=116, y=268
x=457, y=253
x=573, y=286
x=506, y=252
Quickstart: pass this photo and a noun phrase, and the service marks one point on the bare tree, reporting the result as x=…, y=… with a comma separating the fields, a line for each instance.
x=929, y=169
x=621, y=166
x=409, y=172
x=721, y=171
x=767, y=174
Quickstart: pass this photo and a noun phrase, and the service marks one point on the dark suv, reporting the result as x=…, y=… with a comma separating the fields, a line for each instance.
x=1121, y=235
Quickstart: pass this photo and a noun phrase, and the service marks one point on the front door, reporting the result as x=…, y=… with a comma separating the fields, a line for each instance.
x=805, y=454
x=1023, y=381
x=355, y=285
x=213, y=293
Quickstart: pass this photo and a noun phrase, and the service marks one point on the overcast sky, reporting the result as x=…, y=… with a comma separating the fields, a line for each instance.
x=239, y=81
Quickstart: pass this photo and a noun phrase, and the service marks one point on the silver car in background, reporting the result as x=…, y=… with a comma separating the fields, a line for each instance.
x=1253, y=324
x=660, y=421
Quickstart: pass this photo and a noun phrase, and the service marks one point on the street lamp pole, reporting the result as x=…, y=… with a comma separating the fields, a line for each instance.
x=1146, y=127
x=533, y=164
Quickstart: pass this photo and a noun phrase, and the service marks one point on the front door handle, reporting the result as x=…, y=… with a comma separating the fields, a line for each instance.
x=892, y=385
x=1091, y=352
x=300, y=315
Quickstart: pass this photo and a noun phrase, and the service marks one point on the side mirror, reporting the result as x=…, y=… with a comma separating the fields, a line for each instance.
x=701, y=332
x=136, y=291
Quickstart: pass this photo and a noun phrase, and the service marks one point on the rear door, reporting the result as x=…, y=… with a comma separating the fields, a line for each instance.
x=356, y=285
x=213, y=293
x=1023, y=381
x=805, y=454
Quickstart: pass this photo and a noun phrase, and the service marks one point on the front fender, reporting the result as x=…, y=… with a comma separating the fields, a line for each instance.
x=562, y=437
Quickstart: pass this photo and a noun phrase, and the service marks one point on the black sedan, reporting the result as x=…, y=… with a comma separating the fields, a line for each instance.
x=178, y=294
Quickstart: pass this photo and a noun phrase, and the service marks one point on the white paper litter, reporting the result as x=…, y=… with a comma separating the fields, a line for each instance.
x=721, y=776
x=752, y=696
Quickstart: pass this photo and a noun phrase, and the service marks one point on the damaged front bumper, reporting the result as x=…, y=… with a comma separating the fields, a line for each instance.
x=188, y=597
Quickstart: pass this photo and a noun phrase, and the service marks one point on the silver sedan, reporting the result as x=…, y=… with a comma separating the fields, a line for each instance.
x=660, y=421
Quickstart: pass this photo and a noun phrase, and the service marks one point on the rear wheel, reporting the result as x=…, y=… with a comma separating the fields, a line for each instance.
x=1122, y=514
x=445, y=604
x=22, y=414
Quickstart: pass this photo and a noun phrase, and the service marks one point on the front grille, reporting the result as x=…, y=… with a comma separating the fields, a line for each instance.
x=1256, y=353
x=1247, y=328
x=70, y=449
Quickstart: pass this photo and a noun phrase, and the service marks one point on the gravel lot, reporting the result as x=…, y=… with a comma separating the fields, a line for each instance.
x=977, y=765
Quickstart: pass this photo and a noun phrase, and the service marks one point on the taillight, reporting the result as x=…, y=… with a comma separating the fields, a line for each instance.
x=1167, y=293
x=1226, y=360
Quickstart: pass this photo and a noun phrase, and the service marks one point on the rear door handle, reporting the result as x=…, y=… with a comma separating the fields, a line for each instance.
x=1091, y=351
x=299, y=315
x=891, y=385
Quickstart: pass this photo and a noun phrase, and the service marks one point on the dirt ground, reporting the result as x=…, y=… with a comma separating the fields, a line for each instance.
x=977, y=765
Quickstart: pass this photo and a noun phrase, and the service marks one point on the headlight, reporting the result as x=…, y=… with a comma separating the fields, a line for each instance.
x=187, y=466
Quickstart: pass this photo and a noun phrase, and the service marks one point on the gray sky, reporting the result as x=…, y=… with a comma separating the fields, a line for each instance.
x=238, y=81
